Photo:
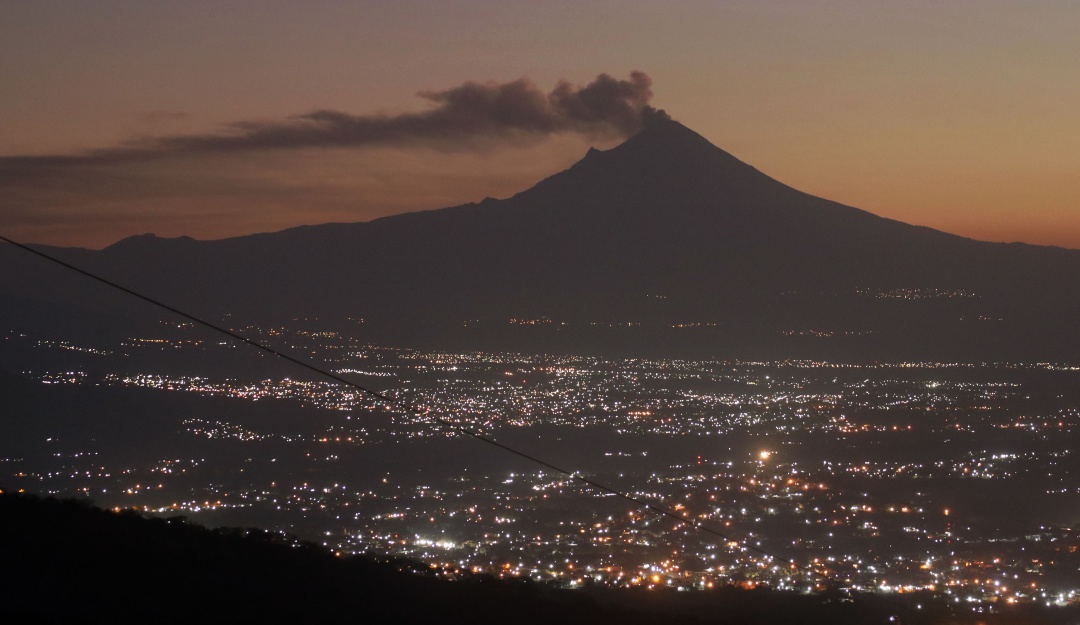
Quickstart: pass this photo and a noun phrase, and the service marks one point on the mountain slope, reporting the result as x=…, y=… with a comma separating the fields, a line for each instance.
x=663, y=230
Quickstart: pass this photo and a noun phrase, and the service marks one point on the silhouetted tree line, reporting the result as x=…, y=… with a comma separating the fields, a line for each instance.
x=64, y=560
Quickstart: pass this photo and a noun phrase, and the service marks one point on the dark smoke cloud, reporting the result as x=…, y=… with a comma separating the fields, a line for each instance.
x=463, y=117
x=470, y=116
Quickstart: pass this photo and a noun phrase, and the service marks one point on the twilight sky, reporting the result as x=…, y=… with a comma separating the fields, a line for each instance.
x=216, y=119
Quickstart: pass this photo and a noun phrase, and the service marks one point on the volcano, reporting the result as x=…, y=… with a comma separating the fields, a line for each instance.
x=663, y=245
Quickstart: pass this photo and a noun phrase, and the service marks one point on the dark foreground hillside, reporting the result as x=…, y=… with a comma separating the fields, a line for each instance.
x=67, y=561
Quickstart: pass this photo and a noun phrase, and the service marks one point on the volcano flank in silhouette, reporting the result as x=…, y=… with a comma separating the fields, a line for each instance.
x=663, y=244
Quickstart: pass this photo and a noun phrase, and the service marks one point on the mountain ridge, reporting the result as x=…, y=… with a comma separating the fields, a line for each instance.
x=665, y=213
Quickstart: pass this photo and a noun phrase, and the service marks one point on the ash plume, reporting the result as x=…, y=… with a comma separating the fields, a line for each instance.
x=463, y=117
x=470, y=116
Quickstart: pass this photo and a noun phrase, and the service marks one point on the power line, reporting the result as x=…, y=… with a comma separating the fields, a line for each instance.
x=408, y=408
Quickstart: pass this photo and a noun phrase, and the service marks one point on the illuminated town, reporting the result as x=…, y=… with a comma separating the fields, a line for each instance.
x=899, y=477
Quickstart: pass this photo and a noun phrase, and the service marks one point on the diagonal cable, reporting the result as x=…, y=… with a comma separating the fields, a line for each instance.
x=408, y=408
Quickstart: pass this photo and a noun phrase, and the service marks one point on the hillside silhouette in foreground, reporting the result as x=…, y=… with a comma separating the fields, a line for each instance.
x=663, y=244
x=66, y=560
